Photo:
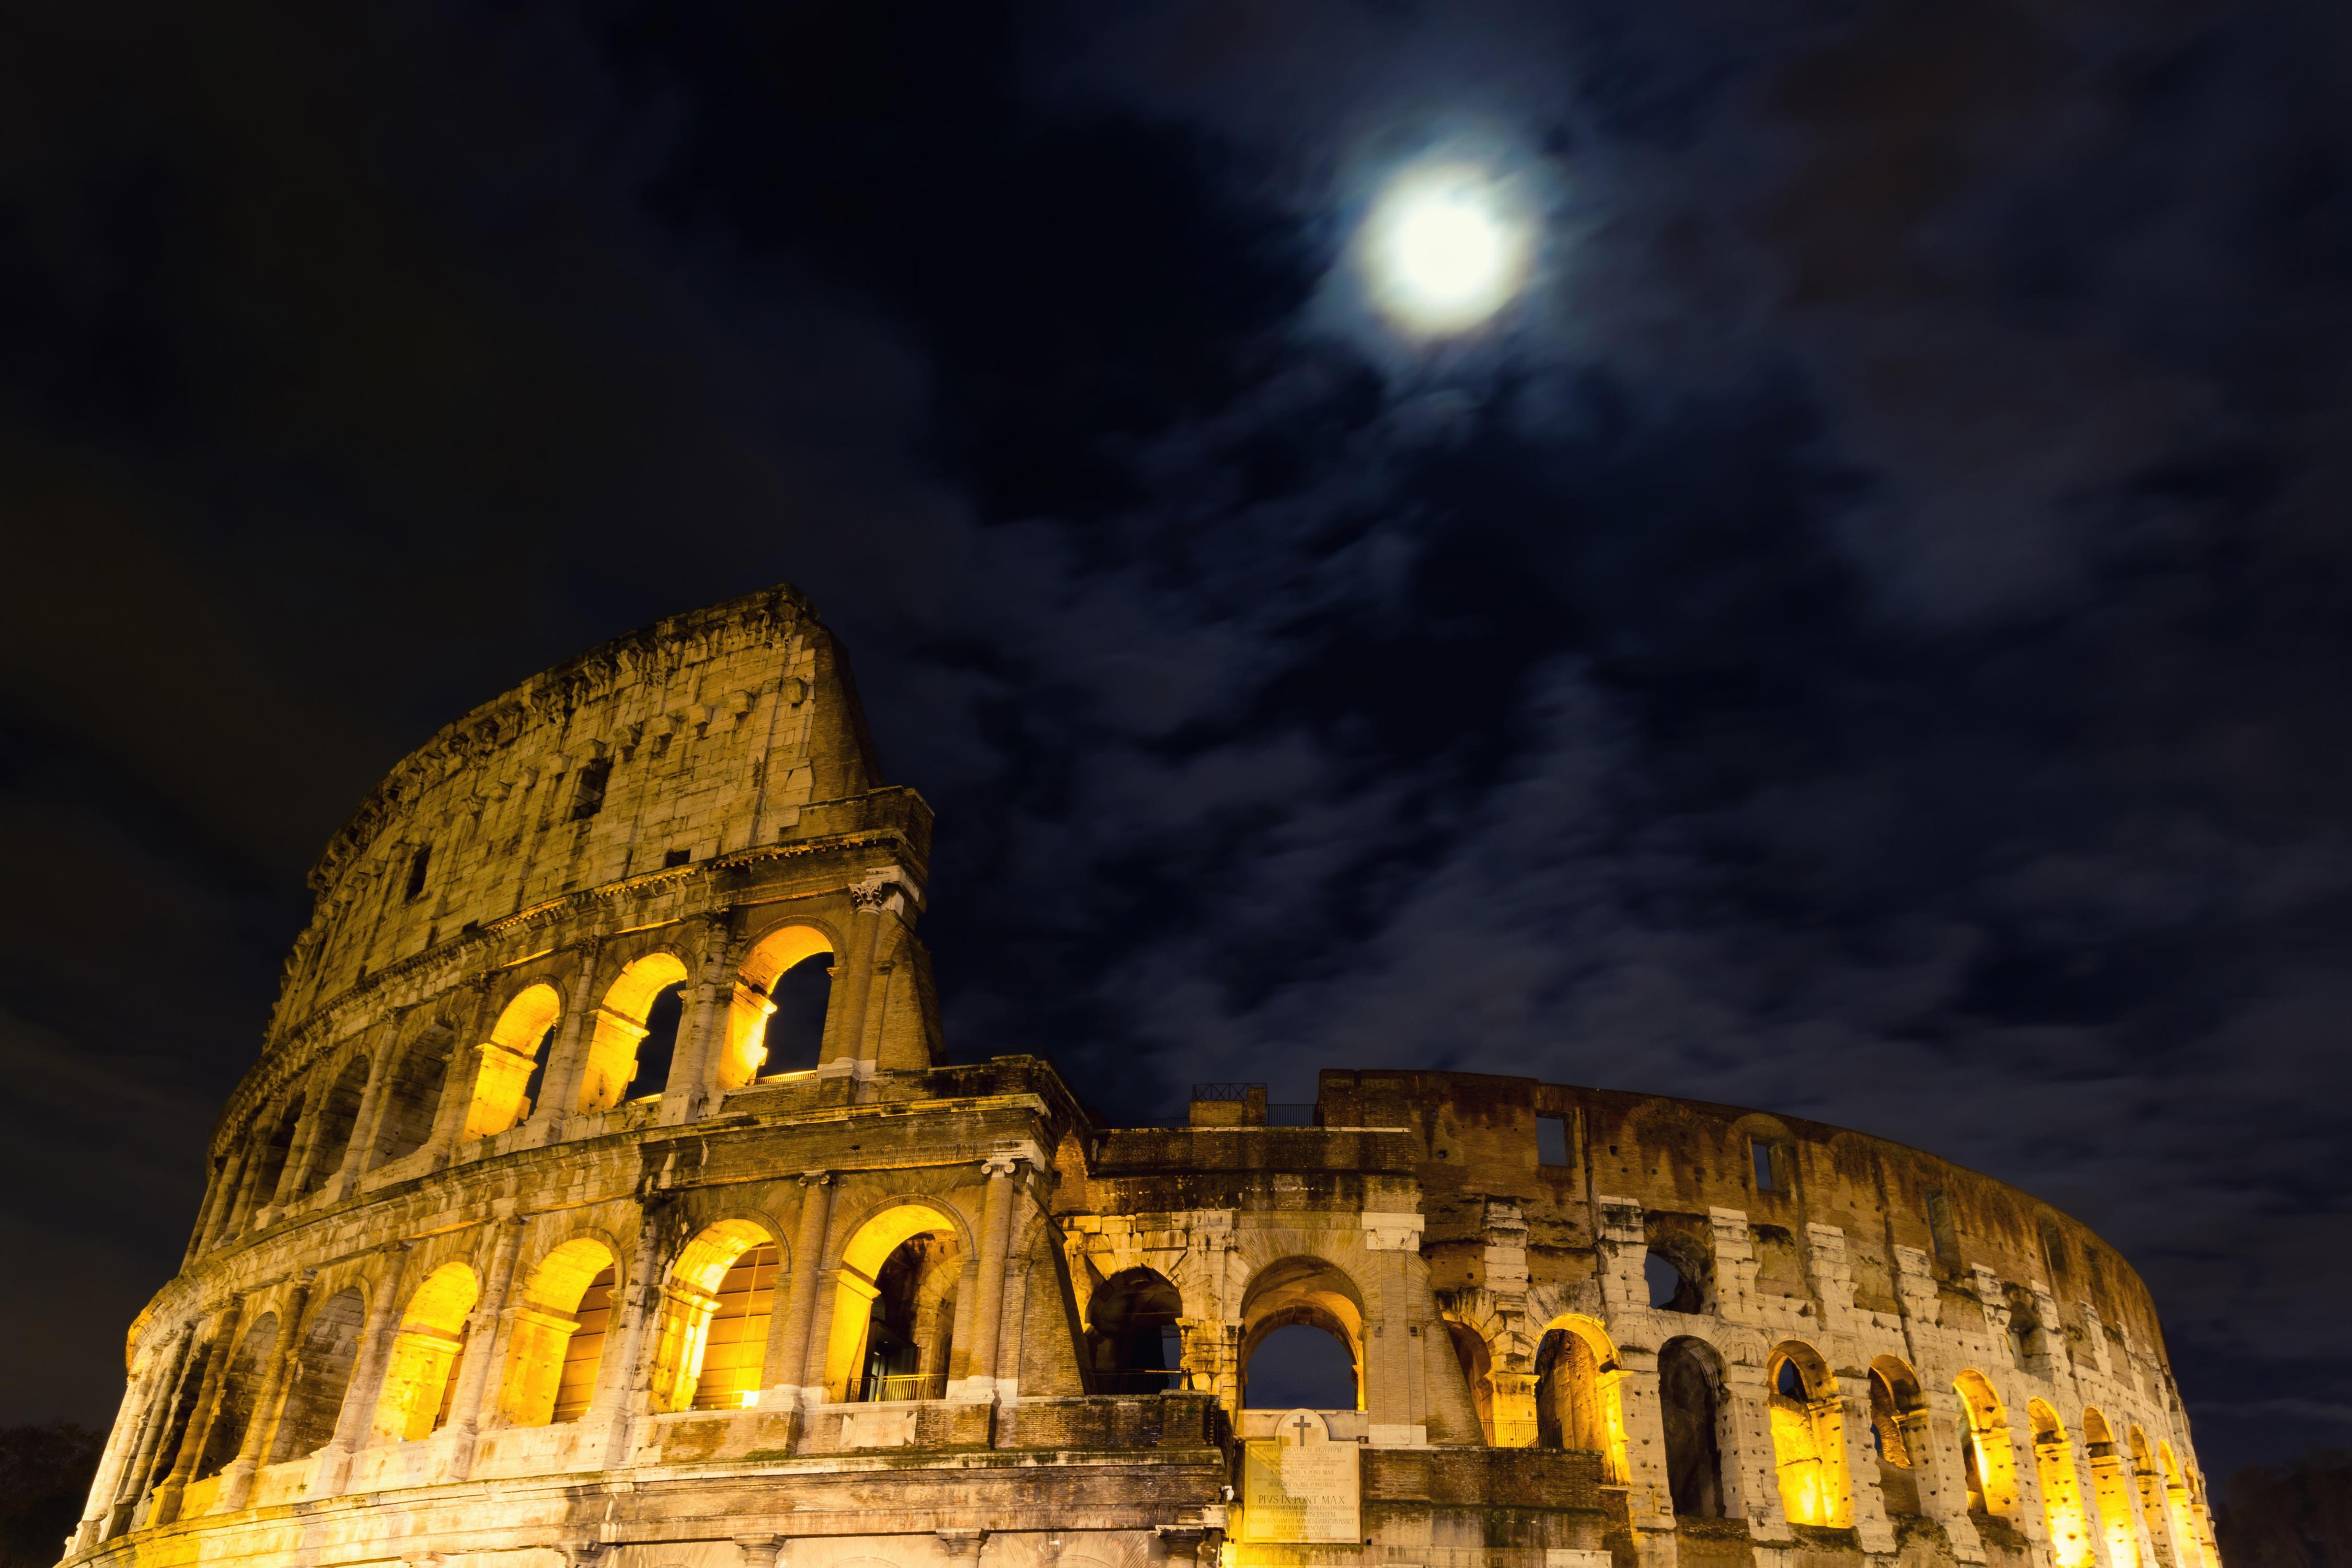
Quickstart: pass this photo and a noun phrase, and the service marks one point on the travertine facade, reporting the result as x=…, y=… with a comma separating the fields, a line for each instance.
x=482, y=1281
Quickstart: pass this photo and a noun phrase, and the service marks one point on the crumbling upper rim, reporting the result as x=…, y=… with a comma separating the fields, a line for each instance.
x=479, y=729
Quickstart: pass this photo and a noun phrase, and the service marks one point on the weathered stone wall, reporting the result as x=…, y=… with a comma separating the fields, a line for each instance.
x=454, y=1298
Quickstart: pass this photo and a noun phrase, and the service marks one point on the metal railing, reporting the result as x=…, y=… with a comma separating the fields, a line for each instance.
x=904, y=1385
x=1226, y=1091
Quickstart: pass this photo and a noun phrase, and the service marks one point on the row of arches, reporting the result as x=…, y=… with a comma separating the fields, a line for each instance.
x=626, y=1051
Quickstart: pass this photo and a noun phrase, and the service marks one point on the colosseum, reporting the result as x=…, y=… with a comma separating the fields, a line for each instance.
x=606, y=1197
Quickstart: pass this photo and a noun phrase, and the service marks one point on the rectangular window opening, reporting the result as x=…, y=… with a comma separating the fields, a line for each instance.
x=417, y=863
x=1767, y=1160
x=2053, y=1247
x=589, y=798
x=1551, y=1140
x=676, y=857
x=1939, y=1225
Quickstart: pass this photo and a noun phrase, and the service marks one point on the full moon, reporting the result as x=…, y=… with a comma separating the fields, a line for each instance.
x=1443, y=249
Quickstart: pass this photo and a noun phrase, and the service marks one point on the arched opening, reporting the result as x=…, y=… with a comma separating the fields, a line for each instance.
x=2180, y=1507
x=1989, y=1462
x=421, y=1374
x=894, y=1307
x=1477, y=1370
x=2061, y=1496
x=2110, y=1490
x=1580, y=1397
x=412, y=1098
x=635, y=1033
x=1690, y=1406
x=509, y=1058
x=714, y=1326
x=338, y=1112
x=1302, y=1338
x=1133, y=1342
x=323, y=1371
x=275, y=1145
x=558, y=1337
x=781, y=992
x=182, y=1409
x=1898, y=1432
x=239, y=1388
x=1672, y=1288
x=2148, y=1485
x=1808, y=1438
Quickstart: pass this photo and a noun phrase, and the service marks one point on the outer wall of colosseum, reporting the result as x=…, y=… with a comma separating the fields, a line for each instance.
x=542, y=1236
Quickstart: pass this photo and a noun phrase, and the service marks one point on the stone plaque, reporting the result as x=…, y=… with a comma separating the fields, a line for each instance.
x=1300, y=1487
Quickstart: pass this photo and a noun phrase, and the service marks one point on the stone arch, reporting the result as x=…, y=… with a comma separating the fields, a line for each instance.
x=411, y=1094
x=2180, y=1506
x=241, y=1388
x=275, y=1134
x=1580, y=1393
x=716, y=1306
x=509, y=1058
x=2148, y=1480
x=323, y=1376
x=1133, y=1344
x=1808, y=1437
x=1692, y=1409
x=2111, y=1495
x=1989, y=1459
x=420, y=1373
x=778, y=951
x=337, y=1115
x=894, y=1301
x=558, y=1338
x=2061, y=1496
x=1898, y=1432
x=611, y=1067
x=1477, y=1362
x=1307, y=1289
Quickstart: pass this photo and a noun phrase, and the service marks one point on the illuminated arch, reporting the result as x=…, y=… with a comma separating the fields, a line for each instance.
x=2180, y=1506
x=716, y=1307
x=2062, y=1495
x=1133, y=1345
x=1692, y=1409
x=1808, y=1438
x=2110, y=1489
x=916, y=1303
x=1304, y=1290
x=508, y=1055
x=314, y=1402
x=1988, y=1458
x=620, y=1026
x=750, y=1007
x=559, y=1335
x=240, y=1387
x=1898, y=1432
x=1579, y=1392
x=421, y=1373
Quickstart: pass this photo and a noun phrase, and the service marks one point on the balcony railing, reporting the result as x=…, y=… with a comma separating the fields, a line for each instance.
x=904, y=1385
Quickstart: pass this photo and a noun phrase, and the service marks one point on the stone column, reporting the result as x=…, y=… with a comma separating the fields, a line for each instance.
x=1871, y=1524
x=123, y=1440
x=1751, y=1480
x=331, y=1466
x=200, y=1424
x=621, y=1384
x=1934, y=1443
x=853, y=981
x=344, y=1178
x=141, y=1469
x=559, y=1091
x=487, y=1333
x=219, y=1197
x=1648, y=1496
x=300, y=1159
x=988, y=1304
x=788, y=1349
x=236, y=1480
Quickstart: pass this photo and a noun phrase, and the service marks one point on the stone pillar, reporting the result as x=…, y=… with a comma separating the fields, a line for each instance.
x=486, y=1337
x=852, y=982
x=123, y=1440
x=331, y=1466
x=1871, y=1524
x=1933, y=1440
x=345, y=1179
x=1649, y=1496
x=219, y=1197
x=788, y=1351
x=236, y=1480
x=701, y=1033
x=305, y=1152
x=141, y=1471
x=1751, y=1479
x=200, y=1424
x=621, y=1384
x=988, y=1304
x=559, y=1091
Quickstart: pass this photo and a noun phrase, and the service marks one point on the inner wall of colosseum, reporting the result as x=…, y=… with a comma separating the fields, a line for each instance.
x=604, y=1194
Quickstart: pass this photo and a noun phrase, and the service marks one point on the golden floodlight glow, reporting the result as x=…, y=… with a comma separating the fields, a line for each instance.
x=1443, y=250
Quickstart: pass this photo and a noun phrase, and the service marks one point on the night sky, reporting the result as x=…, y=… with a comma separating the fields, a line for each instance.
x=1866, y=634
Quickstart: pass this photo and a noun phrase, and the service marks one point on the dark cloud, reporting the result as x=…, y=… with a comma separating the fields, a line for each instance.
x=1865, y=639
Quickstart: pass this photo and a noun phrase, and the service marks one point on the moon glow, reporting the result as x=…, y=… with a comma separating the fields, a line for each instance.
x=1443, y=249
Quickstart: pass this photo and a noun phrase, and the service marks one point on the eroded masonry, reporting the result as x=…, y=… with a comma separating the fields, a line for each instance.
x=600, y=1200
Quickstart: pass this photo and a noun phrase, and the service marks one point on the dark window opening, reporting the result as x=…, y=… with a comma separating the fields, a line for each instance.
x=417, y=864
x=1133, y=1342
x=1300, y=1366
x=795, y=1036
x=2053, y=1247
x=1551, y=1140
x=1790, y=1382
x=542, y=1054
x=588, y=799
x=1670, y=1290
x=1940, y=1227
x=1771, y=1171
x=676, y=857
x=660, y=1044
x=1689, y=1395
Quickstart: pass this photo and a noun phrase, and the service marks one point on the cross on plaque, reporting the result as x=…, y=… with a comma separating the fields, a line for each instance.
x=1300, y=1425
